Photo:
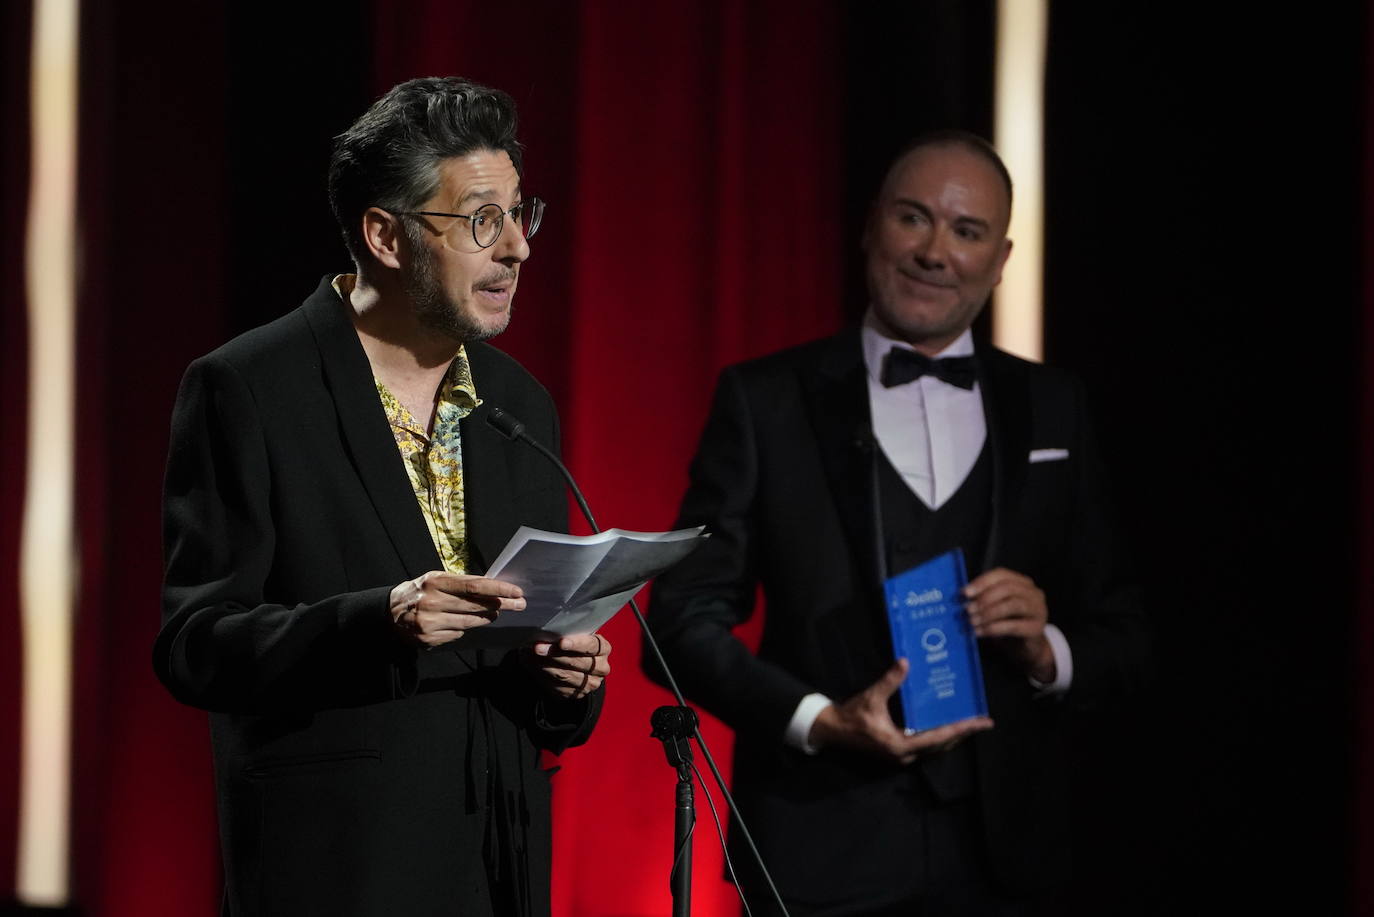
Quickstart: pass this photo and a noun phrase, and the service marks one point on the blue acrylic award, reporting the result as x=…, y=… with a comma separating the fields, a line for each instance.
x=931, y=630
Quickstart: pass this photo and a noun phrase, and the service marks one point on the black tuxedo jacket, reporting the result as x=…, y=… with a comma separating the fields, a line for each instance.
x=783, y=479
x=354, y=774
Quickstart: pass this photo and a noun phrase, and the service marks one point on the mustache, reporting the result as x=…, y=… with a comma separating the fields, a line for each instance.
x=498, y=279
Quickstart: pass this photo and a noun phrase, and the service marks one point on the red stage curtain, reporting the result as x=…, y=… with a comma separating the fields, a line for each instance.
x=690, y=155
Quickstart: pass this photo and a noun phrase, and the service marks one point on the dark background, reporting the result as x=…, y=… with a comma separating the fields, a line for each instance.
x=1206, y=209
x=1204, y=192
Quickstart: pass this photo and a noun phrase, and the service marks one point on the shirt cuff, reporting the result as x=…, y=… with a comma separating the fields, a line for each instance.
x=799, y=729
x=1063, y=664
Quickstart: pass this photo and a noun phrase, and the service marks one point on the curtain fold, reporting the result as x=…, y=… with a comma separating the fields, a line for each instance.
x=153, y=294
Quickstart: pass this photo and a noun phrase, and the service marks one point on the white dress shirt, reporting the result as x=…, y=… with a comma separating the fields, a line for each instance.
x=932, y=433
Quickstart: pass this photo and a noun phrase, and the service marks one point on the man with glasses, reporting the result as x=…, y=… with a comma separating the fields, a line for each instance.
x=333, y=493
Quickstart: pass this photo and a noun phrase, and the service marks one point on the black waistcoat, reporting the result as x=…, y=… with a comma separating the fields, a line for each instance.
x=912, y=534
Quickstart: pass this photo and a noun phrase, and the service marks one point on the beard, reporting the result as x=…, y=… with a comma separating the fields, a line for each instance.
x=434, y=308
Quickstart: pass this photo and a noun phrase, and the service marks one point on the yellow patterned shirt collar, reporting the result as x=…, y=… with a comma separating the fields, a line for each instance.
x=434, y=460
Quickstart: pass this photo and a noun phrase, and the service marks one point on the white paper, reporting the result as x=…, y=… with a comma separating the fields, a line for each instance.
x=574, y=584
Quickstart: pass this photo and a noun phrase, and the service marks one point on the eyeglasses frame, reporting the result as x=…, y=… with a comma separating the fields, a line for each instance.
x=500, y=215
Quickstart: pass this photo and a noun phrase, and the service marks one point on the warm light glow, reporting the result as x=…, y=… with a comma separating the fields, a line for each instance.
x=1018, y=321
x=47, y=564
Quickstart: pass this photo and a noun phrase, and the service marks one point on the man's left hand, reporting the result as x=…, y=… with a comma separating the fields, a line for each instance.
x=573, y=667
x=1007, y=605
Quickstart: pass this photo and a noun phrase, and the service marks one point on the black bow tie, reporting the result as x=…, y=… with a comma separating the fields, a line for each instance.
x=901, y=366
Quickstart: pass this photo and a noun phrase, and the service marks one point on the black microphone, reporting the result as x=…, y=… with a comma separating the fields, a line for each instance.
x=511, y=428
x=514, y=430
x=506, y=425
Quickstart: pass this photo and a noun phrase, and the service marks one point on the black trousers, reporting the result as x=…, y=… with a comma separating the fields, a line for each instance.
x=949, y=876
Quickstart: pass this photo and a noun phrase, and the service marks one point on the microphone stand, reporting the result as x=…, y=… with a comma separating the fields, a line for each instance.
x=672, y=725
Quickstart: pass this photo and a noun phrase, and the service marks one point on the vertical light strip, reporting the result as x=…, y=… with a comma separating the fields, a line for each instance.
x=1018, y=305
x=47, y=571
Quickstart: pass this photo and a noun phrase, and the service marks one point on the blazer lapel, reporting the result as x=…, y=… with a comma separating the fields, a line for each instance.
x=485, y=460
x=366, y=433
x=1007, y=409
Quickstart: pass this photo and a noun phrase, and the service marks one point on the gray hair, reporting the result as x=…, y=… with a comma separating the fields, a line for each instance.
x=390, y=157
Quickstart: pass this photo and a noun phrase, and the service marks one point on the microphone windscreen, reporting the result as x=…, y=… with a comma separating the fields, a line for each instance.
x=505, y=424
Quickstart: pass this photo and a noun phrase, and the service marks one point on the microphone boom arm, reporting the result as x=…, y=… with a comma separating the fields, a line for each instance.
x=513, y=429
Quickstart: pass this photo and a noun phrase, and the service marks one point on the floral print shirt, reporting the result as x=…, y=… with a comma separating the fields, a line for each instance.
x=434, y=461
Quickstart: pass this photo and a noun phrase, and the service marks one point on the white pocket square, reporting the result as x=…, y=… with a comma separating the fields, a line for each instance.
x=1048, y=455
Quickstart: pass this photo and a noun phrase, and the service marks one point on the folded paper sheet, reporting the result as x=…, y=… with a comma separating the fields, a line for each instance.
x=574, y=584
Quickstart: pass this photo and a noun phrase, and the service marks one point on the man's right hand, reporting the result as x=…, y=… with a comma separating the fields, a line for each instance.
x=439, y=607
x=863, y=723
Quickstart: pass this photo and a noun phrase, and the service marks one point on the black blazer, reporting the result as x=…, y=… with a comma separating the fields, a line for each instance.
x=783, y=479
x=354, y=775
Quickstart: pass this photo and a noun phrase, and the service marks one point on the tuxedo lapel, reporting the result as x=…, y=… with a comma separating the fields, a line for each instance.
x=1006, y=408
x=366, y=433
x=836, y=392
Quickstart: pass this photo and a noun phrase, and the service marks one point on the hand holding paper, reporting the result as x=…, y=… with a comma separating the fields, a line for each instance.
x=439, y=607
x=573, y=667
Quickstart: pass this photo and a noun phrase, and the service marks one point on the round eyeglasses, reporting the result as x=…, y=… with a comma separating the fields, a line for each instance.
x=487, y=221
